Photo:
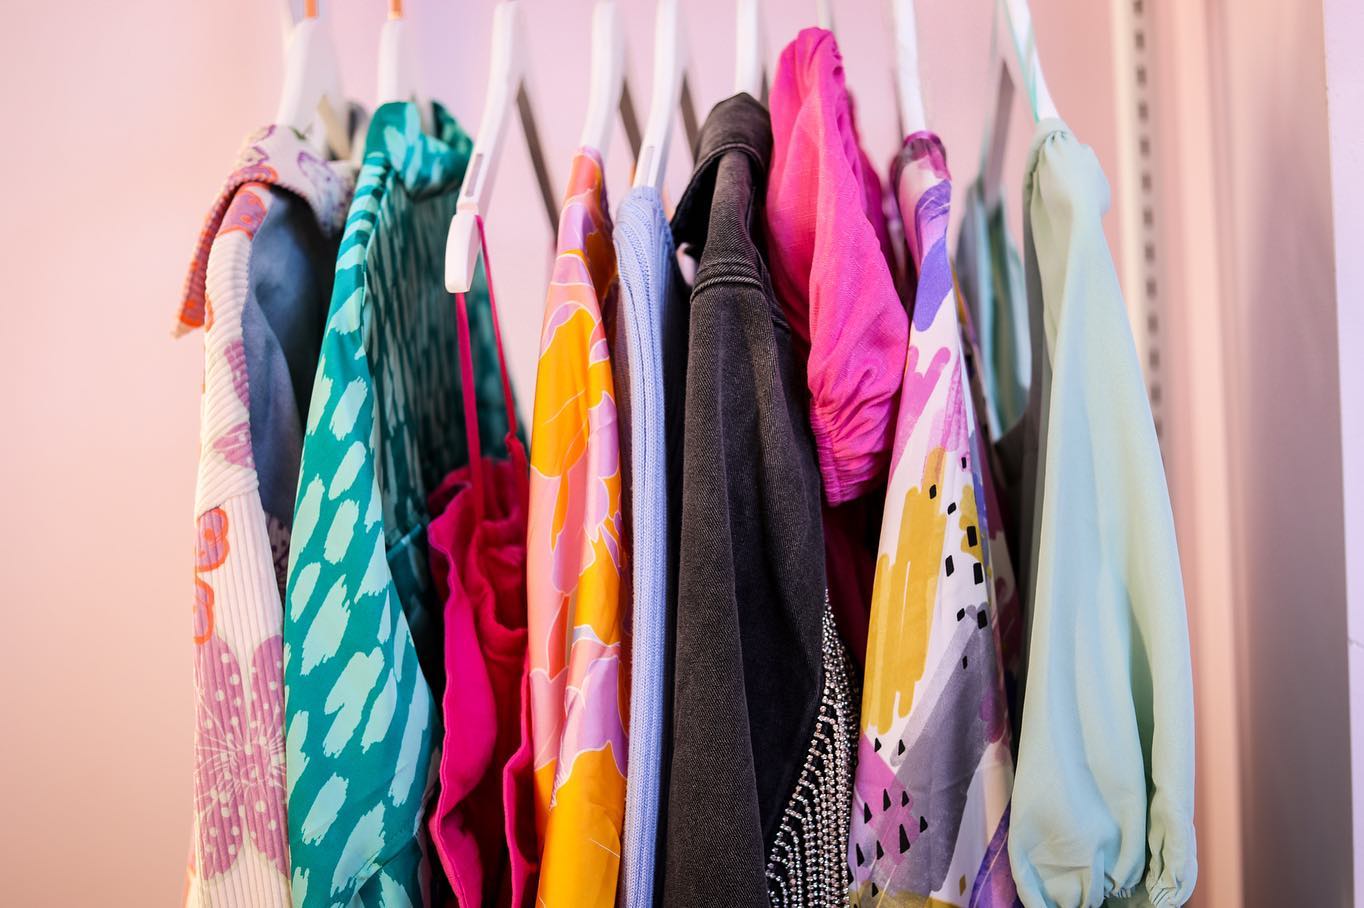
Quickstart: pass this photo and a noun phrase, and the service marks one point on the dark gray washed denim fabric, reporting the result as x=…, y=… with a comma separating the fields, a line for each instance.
x=747, y=676
x=289, y=288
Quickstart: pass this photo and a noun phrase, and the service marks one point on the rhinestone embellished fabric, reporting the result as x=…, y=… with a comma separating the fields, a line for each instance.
x=807, y=866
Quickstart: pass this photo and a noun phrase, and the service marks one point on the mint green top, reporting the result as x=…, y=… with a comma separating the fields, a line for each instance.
x=362, y=649
x=990, y=273
x=1104, y=792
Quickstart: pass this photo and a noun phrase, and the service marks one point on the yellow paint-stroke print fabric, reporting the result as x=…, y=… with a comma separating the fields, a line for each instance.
x=933, y=770
x=575, y=561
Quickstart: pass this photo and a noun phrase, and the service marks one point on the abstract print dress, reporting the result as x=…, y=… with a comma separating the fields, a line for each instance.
x=579, y=693
x=240, y=852
x=934, y=770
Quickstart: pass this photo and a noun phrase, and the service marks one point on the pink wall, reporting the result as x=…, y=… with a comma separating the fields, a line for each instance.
x=1279, y=335
x=122, y=121
x=1255, y=441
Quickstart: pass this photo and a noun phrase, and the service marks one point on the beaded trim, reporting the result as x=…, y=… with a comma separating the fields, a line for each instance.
x=808, y=863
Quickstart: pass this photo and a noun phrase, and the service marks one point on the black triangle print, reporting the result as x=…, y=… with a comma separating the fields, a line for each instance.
x=904, y=840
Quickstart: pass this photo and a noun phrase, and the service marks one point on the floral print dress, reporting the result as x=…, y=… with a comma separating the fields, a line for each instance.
x=240, y=851
x=575, y=560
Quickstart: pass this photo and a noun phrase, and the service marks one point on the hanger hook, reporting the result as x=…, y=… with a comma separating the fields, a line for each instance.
x=395, y=9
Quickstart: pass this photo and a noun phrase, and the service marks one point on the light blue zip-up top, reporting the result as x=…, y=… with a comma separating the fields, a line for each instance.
x=1104, y=792
x=648, y=360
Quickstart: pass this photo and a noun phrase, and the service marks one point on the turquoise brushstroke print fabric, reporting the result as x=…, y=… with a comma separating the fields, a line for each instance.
x=990, y=273
x=361, y=625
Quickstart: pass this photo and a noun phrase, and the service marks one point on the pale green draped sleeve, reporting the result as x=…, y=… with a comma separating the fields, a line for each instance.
x=1103, y=799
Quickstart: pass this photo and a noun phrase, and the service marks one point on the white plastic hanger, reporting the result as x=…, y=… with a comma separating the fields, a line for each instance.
x=506, y=86
x=908, y=87
x=670, y=90
x=398, y=79
x=750, y=44
x=1020, y=65
x=610, y=86
x=311, y=101
x=290, y=11
x=824, y=14
x=1028, y=65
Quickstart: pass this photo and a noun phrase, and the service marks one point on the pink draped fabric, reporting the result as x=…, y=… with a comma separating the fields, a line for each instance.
x=483, y=825
x=830, y=270
x=829, y=253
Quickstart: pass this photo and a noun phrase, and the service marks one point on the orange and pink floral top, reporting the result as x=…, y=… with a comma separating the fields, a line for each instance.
x=575, y=559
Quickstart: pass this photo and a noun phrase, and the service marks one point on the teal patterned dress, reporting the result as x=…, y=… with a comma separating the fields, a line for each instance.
x=362, y=635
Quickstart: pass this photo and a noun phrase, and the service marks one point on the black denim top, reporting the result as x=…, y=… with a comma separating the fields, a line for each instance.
x=751, y=586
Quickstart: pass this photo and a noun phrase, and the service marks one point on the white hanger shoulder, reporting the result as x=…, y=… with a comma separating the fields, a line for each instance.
x=908, y=86
x=290, y=11
x=669, y=91
x=824, y=14
x=311, y=100
x=1023, y=53
x=506, y=87
x=609, y=91
x=750, y=43
x=1019, y=65
x=398, y=70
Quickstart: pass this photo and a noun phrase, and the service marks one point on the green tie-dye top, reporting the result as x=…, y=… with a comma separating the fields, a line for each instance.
x=362, y=631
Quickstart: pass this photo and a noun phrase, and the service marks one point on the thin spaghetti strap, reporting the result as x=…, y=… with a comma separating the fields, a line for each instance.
x=497, y=331
x=466, y=367
x=466, y=387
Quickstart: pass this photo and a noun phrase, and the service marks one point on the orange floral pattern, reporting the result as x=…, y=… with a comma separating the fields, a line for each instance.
x=575, y=561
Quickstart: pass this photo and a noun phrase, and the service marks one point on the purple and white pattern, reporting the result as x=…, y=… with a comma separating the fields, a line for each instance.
x=934, y=772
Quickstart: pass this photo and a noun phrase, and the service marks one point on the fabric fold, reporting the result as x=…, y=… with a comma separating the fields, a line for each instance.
x=830, y=267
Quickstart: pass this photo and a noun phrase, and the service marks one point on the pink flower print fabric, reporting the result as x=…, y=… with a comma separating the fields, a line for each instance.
x=240, y=853
x=239, y=756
